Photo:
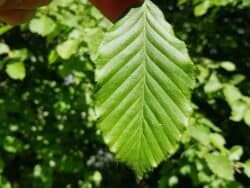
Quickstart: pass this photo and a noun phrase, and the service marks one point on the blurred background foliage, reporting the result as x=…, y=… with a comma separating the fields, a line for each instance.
x=48, y=137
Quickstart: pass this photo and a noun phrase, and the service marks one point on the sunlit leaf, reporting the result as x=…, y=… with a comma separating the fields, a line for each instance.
x=247, y=168
x=144, y=77
x=247, y=116
x=220, y=165
x=12, y=145
x=235, y=153
x=16, y=70
x=202, y=8
x=213, y=84
x=67, y=48
x=42, y=26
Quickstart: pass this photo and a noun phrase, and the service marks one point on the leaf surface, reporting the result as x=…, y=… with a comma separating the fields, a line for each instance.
x=221, y=166
x=144, y=76
x=16, y=70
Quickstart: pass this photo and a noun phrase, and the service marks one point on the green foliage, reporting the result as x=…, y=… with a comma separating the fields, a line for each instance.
x=42, y=26
x=247, y=168
x=221, y=166
x=48, y=136
x=16, y=70
x=202, y=6
x=47, y=118
x=143, y=93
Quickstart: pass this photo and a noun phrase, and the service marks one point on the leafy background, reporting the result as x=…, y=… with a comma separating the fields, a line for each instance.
x=48, y=136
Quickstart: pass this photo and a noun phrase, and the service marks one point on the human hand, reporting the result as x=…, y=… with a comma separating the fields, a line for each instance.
x=114, y=9
x=18, y=11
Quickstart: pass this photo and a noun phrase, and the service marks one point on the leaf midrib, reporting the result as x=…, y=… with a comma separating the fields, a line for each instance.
x=144, y=82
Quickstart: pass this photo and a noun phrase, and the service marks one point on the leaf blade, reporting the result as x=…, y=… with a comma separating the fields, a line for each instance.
x=144, y=77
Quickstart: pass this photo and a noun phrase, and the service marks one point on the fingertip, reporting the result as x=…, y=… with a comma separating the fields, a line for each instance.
x=16, y=17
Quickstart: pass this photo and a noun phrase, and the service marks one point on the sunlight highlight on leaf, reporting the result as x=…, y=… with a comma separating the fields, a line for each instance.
x=144, y=77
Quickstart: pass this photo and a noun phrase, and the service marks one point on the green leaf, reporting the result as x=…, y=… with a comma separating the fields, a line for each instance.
x=235, y=153
x=220, y=165
x=144, y=77
x=37, y=171
x=52, y=57
x=4, y=183
x=20, y=54
x=247, y=168
x=238, y=104
x=217, y=140
x=4, y=48
x=42, y=26
x=94, y=38
x=67, y=48
x=231, y=93
x=202, y=8
x=247, y=116
x=16, y=70
x=245, y=3
x=200, y=133
x=237, y=78
x=228, y=66
x=97, y=178
x=12, y=145
x=238, y=110
x=213, y=84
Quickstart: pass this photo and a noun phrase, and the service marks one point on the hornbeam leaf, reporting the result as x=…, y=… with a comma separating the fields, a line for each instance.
x=144, y=77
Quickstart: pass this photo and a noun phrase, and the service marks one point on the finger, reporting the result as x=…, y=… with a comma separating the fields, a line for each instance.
x=22, y=4
x=16, y=17
x=114, y=9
